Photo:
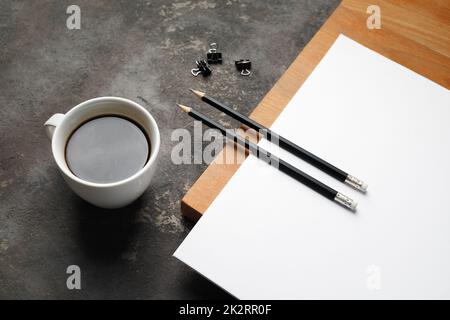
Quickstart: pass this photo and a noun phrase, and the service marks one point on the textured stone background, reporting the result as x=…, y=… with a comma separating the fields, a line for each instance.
x=141, y=50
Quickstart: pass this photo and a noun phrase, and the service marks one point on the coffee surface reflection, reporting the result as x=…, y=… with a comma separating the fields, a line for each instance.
x=107, y=149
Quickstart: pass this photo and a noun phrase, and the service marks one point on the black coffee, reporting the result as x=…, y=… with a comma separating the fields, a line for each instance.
x=107, y=149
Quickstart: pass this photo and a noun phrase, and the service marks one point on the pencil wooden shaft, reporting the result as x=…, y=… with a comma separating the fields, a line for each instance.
x=267, y=157
x=283, y=142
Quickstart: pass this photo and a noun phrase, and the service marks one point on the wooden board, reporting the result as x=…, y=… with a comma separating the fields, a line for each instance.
x=413, y=33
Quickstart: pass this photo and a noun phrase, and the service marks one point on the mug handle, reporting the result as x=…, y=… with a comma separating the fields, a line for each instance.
x=51, y=124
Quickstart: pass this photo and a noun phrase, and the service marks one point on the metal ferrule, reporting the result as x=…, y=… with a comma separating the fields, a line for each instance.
x=356, y=183
x=345, y=201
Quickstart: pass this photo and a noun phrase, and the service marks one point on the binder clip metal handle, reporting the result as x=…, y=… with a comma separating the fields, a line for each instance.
x=195, y=72
x=202, y=68
x=213, y=48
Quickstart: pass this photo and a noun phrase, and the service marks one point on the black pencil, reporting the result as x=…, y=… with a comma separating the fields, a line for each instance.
x=286, y=144
x=276, y=162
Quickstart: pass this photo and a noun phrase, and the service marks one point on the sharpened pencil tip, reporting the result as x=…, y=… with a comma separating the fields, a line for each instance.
x=198, y=93
x=184, y=108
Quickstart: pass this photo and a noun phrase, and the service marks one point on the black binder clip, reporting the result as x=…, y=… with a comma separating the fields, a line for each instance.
x=244, y=66
x=202, y=68
x=213, y=56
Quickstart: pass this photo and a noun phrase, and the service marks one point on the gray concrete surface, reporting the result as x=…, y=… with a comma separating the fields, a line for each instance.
x=141, y=50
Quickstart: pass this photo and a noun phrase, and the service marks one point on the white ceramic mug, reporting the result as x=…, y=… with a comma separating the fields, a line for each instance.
x=106, y=195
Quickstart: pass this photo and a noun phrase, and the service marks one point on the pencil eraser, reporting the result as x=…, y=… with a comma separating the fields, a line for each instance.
x=364, y=186
x=354, y=205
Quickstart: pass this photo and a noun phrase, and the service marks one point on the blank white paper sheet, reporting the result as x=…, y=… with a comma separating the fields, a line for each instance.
x=267, y=236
